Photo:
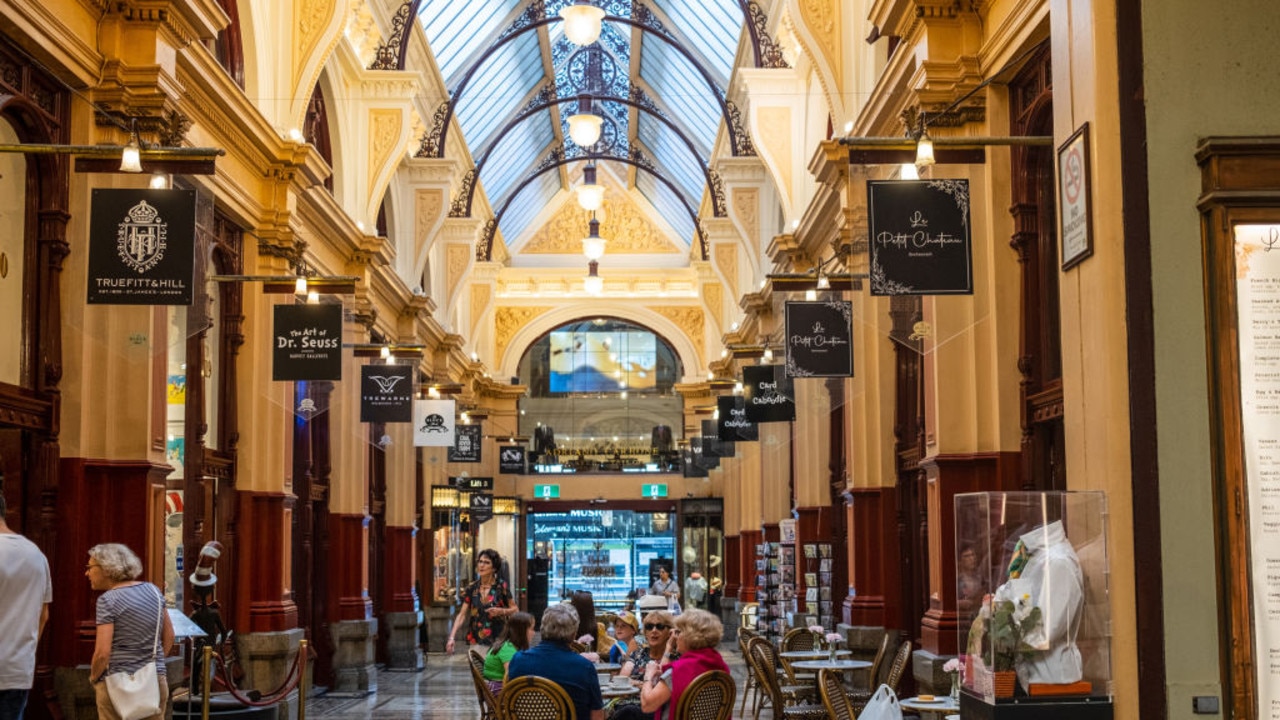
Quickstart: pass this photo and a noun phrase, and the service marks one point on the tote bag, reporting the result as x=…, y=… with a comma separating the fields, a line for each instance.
x=136, y=695
x=883, y=705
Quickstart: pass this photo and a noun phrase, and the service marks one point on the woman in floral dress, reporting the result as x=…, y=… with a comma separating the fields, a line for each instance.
x=486, y=603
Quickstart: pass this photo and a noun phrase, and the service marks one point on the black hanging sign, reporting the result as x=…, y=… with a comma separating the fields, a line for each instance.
x=712, y=445
x=691, y=459
x=466, y=483
x=386, y=393
x=733, y=424
x=770, y=394
x=819, y=339
x=481, y=507
x=141, y=247
x=511, y=459
x=308, y=342
x=467, y=444
x=920, y=243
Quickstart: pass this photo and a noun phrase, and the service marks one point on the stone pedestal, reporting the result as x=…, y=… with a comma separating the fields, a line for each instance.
x=438, y=620
x=267, y=658
x=401, y=630
x=730, y=619
x=353, y=656
x=930, y=677
x=75, y=694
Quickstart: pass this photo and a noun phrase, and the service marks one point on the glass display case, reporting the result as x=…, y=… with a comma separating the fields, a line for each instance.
x=1031, y=588
x=702, y=553
x=452, y=561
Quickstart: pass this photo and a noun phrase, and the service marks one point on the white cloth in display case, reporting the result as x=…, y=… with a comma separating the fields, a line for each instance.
x=1052, y=579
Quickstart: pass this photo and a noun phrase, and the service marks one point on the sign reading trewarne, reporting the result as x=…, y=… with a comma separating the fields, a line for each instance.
x=769, y=393
x=141, y=247
x=920, y=242
x=308, y=343
x=819, y=338
x=386, y=393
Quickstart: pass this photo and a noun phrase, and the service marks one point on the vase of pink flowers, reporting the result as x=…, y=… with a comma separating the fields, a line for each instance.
x=833, y=641
x=953, y=667
x=818, y=632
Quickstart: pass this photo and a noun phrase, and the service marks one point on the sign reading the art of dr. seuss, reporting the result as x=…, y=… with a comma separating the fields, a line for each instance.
x=308, y=342
x=819, y=338
x=386, y=393
x=466, y=446
x=733, y=424
x=712, y=445
x=433, y=423
x=919, y=233
x=511, y=459
x=770, y=394
x=141, y=247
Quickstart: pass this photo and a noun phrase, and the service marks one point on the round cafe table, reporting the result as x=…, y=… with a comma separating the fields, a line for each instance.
x=615, y=691
x=838, y=665
x=607, y=667
x=812, y=654
x=939, y=705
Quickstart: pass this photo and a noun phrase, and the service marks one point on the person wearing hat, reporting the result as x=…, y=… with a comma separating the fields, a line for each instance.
x=625, y=643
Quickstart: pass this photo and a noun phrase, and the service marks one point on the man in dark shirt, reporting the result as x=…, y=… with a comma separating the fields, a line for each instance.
x=552, y=659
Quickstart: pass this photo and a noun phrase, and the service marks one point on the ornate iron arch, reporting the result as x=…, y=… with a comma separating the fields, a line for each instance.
x=558, y=157
x=548, y=97
x=534, y=16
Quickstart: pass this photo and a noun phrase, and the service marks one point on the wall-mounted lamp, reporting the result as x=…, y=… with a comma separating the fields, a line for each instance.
x=131, y=157
x=924, y=150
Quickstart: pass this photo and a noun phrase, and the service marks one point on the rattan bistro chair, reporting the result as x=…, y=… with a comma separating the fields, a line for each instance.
x=873, y=676
x=784, y=704
x=893, y=680
x=797, y=639
x=708, y=697
x=752, y=686
x=834, y=698
x=534, y=698
x=488, y=703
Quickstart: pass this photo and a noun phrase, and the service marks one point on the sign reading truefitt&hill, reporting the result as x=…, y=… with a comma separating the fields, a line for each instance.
x=819, y=338
x=770, y=394
x=141, y=247
x=386, y=393
x=920, y=243
x=308, y=343
x=733, y=424
x=466, y=444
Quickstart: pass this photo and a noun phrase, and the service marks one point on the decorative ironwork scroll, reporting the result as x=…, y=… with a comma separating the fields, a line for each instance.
x=391, y=54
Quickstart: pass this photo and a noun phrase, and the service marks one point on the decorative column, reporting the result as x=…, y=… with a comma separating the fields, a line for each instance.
x=402, y=614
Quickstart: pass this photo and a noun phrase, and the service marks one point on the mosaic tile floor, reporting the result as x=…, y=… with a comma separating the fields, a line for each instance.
x=442, y=691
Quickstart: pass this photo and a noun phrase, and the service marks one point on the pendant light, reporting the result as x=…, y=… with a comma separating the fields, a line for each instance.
x=593, y=245
x=582, y=22
x=593, y=284
x=584, y=127
x=590, y=192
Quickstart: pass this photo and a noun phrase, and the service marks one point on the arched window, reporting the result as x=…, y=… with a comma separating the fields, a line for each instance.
x=227, y=47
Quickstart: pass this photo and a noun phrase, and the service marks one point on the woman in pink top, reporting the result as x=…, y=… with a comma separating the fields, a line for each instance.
x=696, y=634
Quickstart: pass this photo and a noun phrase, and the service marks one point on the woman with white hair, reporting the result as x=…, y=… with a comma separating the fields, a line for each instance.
x=133, y=626
x=554, y=660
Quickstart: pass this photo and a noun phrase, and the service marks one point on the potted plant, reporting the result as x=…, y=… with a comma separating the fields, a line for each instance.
x=1008, y=622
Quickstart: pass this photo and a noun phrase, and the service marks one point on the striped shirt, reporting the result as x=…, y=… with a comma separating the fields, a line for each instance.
x=134, y=611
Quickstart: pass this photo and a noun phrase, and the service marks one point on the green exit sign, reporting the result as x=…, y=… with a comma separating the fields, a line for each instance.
x=548, y=491
x=656, y=490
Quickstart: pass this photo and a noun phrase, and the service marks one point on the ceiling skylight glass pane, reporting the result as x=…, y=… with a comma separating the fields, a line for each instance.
x=667, y=204
x=514, y=154
x=679, y=86
x=673, y=156
x=527, y=204
x=498, y=88
x=712, y=28
x=455, y=30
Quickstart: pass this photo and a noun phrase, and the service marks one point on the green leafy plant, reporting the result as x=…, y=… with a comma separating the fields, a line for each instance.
x=1009, y=624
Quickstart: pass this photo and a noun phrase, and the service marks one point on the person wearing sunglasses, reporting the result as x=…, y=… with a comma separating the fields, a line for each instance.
x=659, y=649
x=696, y=635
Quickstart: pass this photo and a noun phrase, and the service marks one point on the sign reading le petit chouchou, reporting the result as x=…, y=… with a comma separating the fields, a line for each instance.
x=386, y=393
x=920, y=242
x=308, y=343
x=141, y=247
x=819, y=339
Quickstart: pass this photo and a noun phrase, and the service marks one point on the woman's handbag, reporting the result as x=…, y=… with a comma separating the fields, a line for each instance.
x=136, y=695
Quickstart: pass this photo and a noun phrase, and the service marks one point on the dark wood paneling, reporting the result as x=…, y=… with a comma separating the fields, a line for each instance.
x=747, y=564
x=262, y=576
x=732, y=565
x=875, y=560
x=348, y=568
x=399, y=575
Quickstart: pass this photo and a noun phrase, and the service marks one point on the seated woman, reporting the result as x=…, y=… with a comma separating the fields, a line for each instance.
x=696, y=635
x=658, y=626
x=590, y=633
x=516, y=636
x=625, y=643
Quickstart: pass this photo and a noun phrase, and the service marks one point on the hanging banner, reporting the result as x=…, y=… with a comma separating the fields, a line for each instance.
x=733, y=425
x=467, y=443
x=691, y=459
x=433, y=423
x=712, y=445
x=466, y=483
x=920, y=242
x=819, y=339
x=511, y=459
x=141, y=247
x=770, y=394
x=308, y=343
x=386, y=393
x=481, y=506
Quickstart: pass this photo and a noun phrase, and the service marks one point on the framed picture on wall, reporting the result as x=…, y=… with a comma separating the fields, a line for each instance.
x=1075, y=212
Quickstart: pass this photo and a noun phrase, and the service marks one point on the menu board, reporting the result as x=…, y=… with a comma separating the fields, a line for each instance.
x=1258, y=322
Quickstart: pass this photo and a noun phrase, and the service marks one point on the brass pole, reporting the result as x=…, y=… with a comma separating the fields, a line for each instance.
x=111, y=151
x=957, y=141
x=207, y=689
x=302, y=680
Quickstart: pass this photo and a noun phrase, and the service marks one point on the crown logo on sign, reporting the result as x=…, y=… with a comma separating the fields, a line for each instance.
x=142, y=213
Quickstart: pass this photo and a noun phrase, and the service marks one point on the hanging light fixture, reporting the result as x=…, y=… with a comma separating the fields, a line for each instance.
x=584, y=127
x=593, y=284
x=590, y=192
x=824, y=283
x=131, y=157
x=924, y=150
x=593, y=245
x=582, y=22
